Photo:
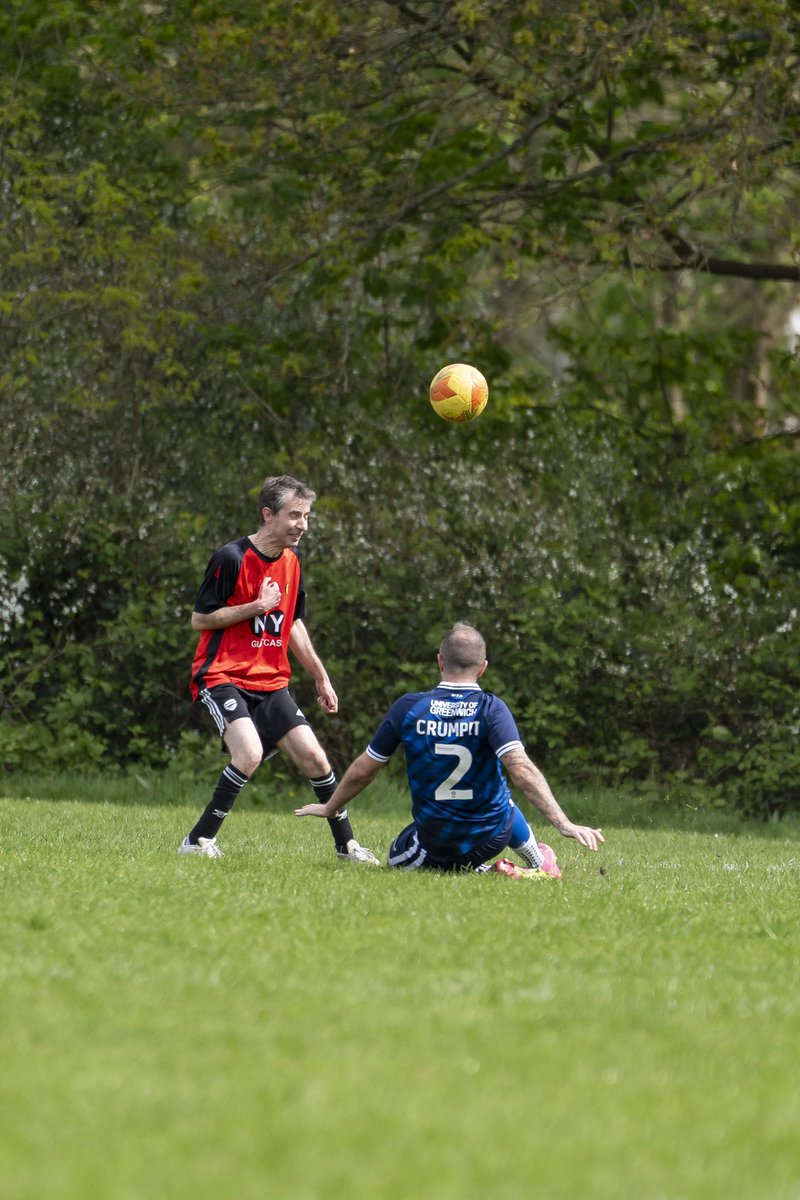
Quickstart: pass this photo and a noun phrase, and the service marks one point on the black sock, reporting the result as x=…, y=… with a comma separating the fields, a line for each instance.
x=229, y=784
x=340, y=825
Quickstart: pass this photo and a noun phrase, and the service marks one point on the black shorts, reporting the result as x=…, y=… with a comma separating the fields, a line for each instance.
x=272, y=713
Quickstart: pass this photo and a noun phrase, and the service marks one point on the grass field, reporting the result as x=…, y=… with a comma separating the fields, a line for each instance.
x=280, y=1025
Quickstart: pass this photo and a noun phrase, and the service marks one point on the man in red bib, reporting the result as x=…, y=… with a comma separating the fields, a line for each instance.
x=249, y=611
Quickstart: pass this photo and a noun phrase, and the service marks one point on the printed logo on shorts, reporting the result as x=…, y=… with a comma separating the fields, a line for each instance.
x=229, y=705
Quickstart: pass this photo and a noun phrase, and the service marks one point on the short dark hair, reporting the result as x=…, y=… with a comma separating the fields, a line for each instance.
x=276, y=490
x=462, y=648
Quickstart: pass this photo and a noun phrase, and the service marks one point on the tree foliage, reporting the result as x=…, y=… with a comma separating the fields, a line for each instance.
x=239, y=238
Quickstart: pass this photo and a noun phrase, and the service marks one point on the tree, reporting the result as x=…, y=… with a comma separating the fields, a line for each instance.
x=240, y=238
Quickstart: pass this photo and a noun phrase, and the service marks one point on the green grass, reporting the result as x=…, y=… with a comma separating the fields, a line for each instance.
x=279, y=1025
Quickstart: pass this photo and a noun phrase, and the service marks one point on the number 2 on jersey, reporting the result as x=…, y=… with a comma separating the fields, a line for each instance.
x=447, y=790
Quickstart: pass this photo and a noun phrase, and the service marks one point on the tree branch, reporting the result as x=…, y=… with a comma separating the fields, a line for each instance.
x=689, y=259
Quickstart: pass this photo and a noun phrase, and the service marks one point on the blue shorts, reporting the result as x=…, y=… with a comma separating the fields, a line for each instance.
x=407, y=851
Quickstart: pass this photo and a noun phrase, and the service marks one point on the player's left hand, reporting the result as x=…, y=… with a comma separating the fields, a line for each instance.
x=328, y=700
x=584, y=835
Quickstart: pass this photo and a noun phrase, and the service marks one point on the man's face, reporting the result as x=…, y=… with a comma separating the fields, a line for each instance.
x=289, y=523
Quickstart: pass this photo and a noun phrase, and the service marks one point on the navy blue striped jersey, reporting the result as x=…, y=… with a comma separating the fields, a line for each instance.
x=454, y=737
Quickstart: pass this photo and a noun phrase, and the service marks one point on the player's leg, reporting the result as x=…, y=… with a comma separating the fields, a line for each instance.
x=516, y=832
x=230, y=712
x=406, y=852
x=282, y=725
x=534, y=854
x=302, y=747
x=523, y=841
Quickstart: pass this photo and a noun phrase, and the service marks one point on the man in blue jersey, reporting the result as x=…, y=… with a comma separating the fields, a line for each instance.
x=460, y=744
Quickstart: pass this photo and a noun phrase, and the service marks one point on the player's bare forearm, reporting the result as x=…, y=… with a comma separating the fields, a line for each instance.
x=268, y=596
x=358, y=775
x=526, y=776
x=306, y=655
x=221, y=618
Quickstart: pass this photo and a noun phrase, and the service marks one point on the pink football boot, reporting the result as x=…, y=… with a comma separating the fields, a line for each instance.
x=504, y=866
x=550, y=865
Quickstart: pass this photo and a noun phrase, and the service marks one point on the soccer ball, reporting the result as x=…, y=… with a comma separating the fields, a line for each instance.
x=459, y=392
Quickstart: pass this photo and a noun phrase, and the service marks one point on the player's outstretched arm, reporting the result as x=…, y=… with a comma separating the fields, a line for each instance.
x=526, y=776
x=358, y=775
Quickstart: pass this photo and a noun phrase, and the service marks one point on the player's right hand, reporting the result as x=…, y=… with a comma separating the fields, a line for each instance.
x=311, y=810
x=269, y=594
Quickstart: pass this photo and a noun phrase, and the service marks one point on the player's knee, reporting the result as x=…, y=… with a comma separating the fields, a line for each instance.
x=246, y=761
x=315, y=763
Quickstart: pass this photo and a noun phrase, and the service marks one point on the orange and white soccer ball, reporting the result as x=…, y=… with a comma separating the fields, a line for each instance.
x=459, y=392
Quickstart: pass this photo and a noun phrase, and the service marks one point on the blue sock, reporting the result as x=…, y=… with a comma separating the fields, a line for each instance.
x=523, y=841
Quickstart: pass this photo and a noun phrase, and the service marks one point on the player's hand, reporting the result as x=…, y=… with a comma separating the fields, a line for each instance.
x=269, y=594
x=311, y=810
x=584, y=835
x=328, y=700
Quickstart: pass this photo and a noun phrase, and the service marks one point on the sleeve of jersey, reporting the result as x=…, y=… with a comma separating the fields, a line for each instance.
x=388, y=736
x=503, y=732
x=300, y=603
x=218, y=582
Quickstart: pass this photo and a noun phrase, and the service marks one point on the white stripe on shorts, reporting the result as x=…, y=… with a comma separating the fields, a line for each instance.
x=412, y=859
x=214, y=709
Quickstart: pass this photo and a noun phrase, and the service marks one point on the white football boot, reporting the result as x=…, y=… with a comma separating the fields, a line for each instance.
x=207, y=847
x=356, y=853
